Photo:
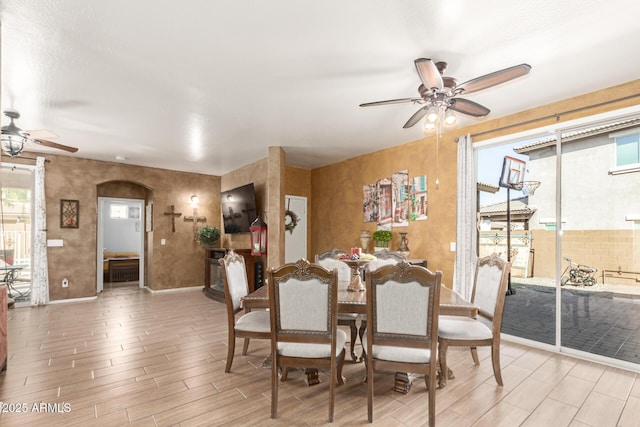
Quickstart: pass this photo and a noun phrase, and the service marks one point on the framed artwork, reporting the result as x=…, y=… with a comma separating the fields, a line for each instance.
x=69, y=213
x=512, y=172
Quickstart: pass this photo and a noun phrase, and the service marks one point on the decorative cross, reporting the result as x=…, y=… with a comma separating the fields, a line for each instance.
x=196, y=219
x=173, y=215
x=247, y=211
x=231, y=217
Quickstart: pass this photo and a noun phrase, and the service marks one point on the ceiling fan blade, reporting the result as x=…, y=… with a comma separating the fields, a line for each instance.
x=470, y=108
x=428, y=72
x=391, y=101
x=55, y=145
x=41, y=134
x=493, y=79
x=417, y=116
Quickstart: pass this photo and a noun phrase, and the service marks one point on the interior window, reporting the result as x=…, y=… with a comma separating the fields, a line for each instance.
x=119, y=212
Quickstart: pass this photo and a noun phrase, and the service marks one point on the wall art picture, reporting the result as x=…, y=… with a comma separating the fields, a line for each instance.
x=418, y=190
x=370, y=203
x=69, y=213
x=385, y=203
x=400, y=198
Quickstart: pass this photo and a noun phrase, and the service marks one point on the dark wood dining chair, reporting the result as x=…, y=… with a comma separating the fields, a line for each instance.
x=402, y=313
x=303, y=299
x=253, y=324
x=489, y=291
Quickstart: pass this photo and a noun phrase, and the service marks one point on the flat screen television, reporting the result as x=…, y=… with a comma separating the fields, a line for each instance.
x=238, y=209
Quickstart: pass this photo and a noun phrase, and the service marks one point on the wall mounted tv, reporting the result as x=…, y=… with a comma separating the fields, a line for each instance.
x=238, y=209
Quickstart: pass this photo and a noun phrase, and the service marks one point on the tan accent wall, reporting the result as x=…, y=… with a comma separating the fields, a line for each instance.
x=275, y=253
x=179, y=263
x=336, y=211
x=297, y=182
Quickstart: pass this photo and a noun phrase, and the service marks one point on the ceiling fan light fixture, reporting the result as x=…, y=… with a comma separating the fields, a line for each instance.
x=429, y=125
x=432, y=114
x=12, y=145
x=13, y=139
x=449, y=118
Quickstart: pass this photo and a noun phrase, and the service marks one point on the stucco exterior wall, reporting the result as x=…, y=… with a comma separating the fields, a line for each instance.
x=592, y=199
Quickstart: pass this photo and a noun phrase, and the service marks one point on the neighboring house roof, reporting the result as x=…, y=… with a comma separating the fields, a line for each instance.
x=518, y=207
x=575, y=135
x=487, y=188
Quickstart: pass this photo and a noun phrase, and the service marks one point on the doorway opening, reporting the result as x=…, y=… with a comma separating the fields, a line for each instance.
x=122, y=241
x=16, y=230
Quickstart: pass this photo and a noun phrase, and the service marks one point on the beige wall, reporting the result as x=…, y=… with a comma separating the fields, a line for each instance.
x=298, y=183
x=177, y=264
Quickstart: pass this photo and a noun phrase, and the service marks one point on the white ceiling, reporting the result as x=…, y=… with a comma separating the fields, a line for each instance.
x=207, y=85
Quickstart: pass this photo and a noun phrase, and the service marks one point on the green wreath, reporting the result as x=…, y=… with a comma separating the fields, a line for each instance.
x=290, y=220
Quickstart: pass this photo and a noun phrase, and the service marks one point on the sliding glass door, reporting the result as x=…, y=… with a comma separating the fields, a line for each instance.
x=16, y=230
x=575, y=239
x=510, y=226
x=600, y=279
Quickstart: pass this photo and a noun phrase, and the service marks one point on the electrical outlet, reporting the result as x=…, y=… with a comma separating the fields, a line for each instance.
x=65, y=283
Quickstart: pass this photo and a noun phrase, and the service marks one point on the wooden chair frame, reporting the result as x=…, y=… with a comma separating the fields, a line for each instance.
x=494, y=316
x=403, y=273
x=303, y=271
x=232, y=301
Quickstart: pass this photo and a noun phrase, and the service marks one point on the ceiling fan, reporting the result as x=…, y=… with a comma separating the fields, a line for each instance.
x=440, y=93
x=14, y=138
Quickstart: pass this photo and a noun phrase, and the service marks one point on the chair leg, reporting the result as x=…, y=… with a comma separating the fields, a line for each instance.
x=431, y=386
x=274, y=387
x=354, y=336
x=340, y=362
x=332, y=384
x=474, y=355
x=245, y=347
x=361, y=331
x=495, y=359
x=442, y=356
x=369, y=391
x=231, y=348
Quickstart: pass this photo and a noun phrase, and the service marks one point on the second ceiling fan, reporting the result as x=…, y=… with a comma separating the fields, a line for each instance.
x=441, y=94
x=14, y=138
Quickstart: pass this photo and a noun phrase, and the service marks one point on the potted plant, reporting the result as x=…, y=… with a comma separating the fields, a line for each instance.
x=208, y=235
x=382, y=238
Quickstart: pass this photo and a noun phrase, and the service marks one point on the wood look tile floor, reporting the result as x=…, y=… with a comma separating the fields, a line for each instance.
x=133, y=357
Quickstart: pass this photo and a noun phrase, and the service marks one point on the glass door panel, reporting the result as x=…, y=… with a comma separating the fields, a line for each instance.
x=530, y=307
x=600, y=277
x=16, y=230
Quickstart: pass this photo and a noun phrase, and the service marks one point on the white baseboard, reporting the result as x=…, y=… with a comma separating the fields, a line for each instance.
x=64, y=301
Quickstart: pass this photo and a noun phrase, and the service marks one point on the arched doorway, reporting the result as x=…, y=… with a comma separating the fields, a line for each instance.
x=123, y=253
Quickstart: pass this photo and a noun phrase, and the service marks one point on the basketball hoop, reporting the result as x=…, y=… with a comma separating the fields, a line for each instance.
x=528, y=188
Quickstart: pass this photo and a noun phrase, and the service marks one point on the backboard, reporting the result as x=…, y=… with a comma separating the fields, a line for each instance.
x=512, y=172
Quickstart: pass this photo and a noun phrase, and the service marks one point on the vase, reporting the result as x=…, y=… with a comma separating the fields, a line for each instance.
x=365, y=237
x=404, y=245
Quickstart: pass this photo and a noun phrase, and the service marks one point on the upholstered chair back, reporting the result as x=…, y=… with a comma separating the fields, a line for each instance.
x=490, y=273
x=235, y=277
x=344, y=271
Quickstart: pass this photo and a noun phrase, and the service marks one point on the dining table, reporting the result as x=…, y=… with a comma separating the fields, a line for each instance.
x=451, y=304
